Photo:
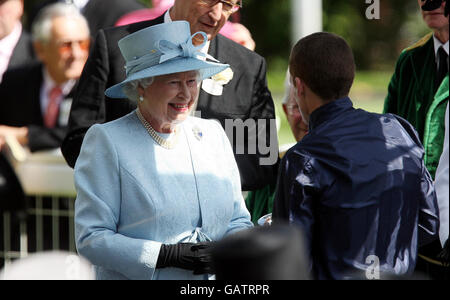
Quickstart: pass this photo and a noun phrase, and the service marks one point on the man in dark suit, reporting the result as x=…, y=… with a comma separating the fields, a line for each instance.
x=245, y=98
x=15, y=43
x=99, y=13
x=36, y=98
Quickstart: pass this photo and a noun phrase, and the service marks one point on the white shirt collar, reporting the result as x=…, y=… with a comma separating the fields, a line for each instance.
x=437, y=45
x=80, y=4
x=8, y=43
x=48, y=83
x=168, y=19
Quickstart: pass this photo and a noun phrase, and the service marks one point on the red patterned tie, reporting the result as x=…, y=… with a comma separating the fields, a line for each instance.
x=51, y=116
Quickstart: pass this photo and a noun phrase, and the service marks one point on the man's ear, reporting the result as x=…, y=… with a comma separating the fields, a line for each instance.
x=40, y=50
x=299, y=87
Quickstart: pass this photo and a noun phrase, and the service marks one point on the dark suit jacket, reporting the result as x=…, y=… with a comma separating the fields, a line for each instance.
x=20, y=106
x=23, y=52
x=12, y=197
x=246, y=96
x=99, y=13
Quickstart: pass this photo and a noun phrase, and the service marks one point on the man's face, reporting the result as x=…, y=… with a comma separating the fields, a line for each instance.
x=10, y=13
x=208, y=16
x=67, y=51
x=434, y=19
x=301, y=101
x=294, y=116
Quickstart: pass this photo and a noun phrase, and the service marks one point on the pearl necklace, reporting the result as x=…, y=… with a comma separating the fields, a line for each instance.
x=165, y=143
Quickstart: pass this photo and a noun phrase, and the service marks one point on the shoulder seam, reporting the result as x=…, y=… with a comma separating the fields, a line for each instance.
x=421, y=42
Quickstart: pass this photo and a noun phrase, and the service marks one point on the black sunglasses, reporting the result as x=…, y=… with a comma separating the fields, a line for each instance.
x=429, y=5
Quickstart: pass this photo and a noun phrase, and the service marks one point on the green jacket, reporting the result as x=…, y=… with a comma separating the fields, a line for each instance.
x=412, y=95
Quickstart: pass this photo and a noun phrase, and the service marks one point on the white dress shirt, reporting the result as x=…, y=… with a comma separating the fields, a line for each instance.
x=437, y=45
x=7, y=45
x=66, y=88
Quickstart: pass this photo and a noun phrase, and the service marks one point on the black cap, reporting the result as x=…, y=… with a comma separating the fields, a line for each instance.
x=262, y=253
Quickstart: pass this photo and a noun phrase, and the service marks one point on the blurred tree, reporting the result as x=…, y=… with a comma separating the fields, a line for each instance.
x=269, y=23
x=376, y=43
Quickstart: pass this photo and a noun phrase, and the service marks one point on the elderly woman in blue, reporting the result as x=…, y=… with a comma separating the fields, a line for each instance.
x=156, y=186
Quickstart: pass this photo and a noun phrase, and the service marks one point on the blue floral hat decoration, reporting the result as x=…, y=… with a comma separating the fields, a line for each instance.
x=163, y=49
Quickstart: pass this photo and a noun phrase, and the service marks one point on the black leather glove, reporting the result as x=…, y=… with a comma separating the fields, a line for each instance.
x=189, y=256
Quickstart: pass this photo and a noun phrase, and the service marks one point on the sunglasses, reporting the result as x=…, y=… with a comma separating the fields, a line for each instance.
x=67, y=46
x=229, y=6
x=429, y=5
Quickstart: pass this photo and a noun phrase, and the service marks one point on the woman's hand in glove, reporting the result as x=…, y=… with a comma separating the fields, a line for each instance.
x=189, y=256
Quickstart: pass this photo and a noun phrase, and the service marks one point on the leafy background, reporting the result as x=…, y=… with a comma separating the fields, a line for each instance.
x=376, y=43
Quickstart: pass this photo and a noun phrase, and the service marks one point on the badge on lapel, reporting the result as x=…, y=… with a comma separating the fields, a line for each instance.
x=197, y=133
x=214, y=85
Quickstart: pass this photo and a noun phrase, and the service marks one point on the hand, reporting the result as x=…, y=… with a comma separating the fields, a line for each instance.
x=20, y=133
x=204, y=264
x=189, y=256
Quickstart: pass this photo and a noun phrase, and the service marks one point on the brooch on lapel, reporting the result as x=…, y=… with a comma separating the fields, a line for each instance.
x=214, y=85
x=197, y=133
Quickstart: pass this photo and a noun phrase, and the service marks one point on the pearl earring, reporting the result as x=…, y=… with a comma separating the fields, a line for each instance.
x=141, y=98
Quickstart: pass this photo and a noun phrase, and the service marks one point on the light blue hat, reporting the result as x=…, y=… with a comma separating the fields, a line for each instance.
x=163, y=49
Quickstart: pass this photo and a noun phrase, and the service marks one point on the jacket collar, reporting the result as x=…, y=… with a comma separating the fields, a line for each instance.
x=329, y=111
x=422, y=58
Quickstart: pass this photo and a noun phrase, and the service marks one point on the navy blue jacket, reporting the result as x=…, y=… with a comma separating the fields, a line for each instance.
x=358, y=187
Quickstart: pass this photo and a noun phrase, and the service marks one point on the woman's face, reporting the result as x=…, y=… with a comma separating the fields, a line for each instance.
x=169, y=99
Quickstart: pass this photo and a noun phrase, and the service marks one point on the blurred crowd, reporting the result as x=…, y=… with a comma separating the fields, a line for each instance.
x=53, y=55
x=52, y=73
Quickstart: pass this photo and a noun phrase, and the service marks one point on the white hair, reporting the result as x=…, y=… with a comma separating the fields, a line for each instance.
x=288, y=86
x=42, y=26
x=130, y=89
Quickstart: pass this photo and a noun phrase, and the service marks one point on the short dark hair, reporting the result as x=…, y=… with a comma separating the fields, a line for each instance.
x=324, y=61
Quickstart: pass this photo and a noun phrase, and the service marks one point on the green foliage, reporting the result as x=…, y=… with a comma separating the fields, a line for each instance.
x=376, y=43
x=269, y=23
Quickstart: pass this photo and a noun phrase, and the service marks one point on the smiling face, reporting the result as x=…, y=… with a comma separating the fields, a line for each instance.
x=169, y=99
x=65, y=54
x=435, y=19
x=201, y=16
x=10, y=13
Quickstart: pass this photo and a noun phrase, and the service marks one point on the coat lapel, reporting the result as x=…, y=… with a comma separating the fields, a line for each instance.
x=424, y=64
x=194, y=135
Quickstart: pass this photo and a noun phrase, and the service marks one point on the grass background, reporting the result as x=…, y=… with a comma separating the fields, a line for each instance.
x=368, y=92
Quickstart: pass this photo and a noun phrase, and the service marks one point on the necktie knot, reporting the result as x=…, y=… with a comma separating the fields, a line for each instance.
x=51, y=115
x=55, y=92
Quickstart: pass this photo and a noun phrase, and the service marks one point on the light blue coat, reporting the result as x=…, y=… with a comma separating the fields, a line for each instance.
x=133, y=195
